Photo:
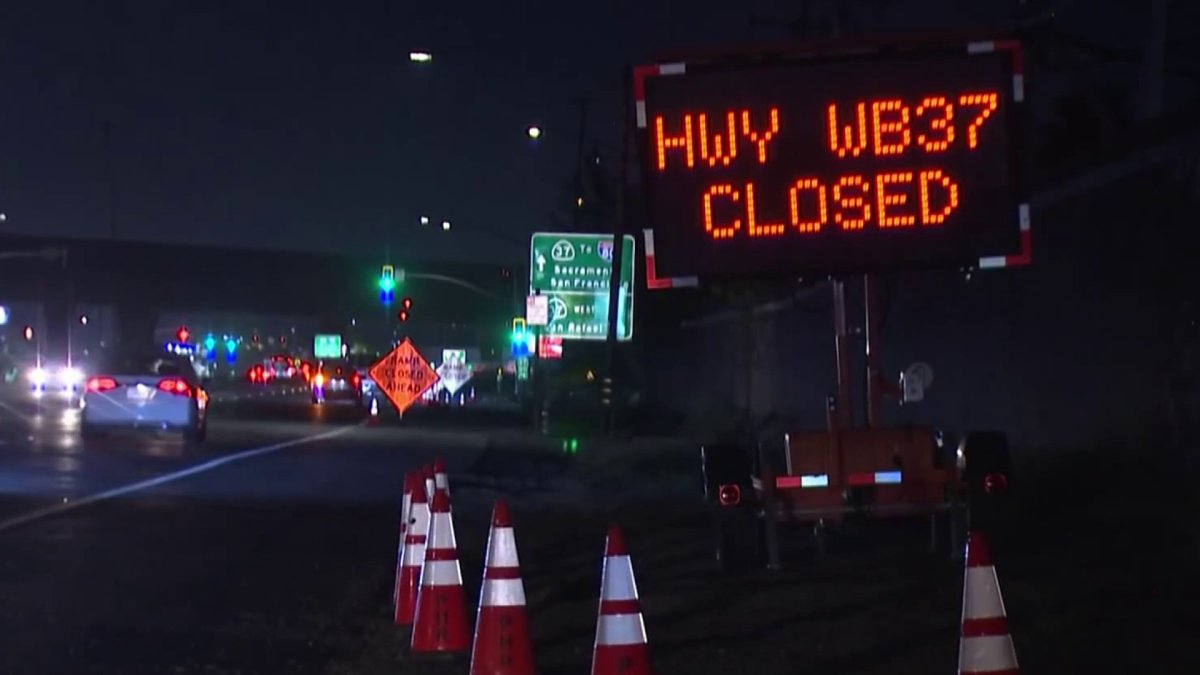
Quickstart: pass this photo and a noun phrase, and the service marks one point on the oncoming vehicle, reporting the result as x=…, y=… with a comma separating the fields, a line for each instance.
x=336, y=380
x=156, y=391
x=61, y=381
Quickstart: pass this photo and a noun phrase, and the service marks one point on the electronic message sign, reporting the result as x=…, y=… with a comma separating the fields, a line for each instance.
x=834, y=162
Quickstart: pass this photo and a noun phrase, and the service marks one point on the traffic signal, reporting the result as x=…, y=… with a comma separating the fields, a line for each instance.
x=405, y=306
x=522, y=339
x=183, y=334
x=230, y=350
x=28, y=333
x=387, y=284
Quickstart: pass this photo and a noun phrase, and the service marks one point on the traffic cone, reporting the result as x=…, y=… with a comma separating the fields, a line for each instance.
x=621, y=647
x=503, y=645
x=405, y=509
x=441, y=625
x=409, y=582
x=430, y=482
x=986, y=647
x=440, y=479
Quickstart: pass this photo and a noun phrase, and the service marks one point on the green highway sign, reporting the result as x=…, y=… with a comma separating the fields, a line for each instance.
x=327, y=346
x=574, y=272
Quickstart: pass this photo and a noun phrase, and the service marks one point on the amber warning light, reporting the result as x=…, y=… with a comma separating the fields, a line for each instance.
x=839, y=163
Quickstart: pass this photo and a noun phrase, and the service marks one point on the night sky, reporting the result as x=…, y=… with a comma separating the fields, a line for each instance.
x=303, y=124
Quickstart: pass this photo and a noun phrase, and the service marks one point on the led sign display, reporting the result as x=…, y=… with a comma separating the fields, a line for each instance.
x=852, y=162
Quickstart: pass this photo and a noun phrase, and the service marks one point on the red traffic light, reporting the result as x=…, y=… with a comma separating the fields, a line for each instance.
x=729, y=495
x=402, y=315
x=406, y=303
x=183, y=334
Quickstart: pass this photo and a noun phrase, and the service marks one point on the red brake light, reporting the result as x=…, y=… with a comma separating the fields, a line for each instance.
x=995, y=483
x=174, y=385
x=729, y=495
x=101, y=384
x=354, y=379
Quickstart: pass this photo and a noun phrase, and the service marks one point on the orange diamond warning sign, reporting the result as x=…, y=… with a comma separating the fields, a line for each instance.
x=403, y=375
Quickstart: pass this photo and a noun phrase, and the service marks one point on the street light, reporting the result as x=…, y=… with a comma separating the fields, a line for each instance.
x=420, y=57
x=445, y=225
x=424, y=220
x=534, y=132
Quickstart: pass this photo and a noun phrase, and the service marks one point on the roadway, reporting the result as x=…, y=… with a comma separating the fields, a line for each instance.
x=270, y=548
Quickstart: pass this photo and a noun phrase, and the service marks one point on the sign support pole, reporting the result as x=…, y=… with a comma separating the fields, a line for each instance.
x=843, y=416
x=614, y=284
x=874, y=389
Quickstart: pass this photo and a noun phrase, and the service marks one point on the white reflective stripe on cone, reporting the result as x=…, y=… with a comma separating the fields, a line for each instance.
x=991, y=654
x=621, y=629
x=430, y=484
x=441, y=482
x=503, y=551
x=414, y=555
x=618, y=580
x=503, y=593
x=441, y=573
x=982, y=599
x=441, y=532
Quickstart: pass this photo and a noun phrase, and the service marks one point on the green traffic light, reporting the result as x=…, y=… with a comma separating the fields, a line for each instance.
x=230, y=345
x=210, y=343
x=387, y=284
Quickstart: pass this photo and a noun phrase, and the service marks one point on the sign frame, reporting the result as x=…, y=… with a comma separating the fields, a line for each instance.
x=829, y=51
x=629, y=263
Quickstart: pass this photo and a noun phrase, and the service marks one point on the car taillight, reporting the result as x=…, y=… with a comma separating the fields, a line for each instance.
x=729, y=495
x=995, y=483
x=174, y=385
x=101, y=384
x=319, y=380
x=355, y=379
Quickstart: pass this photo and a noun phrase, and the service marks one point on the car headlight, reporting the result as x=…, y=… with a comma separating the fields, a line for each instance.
x=38, y=376
x=70, y=377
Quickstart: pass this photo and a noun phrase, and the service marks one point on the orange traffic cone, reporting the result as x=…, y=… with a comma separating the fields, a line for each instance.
x=409, y=582
x=621, y=647
x=440, y=479
x=430, y=482
x=441, y=625
x=405, y=509
x=503, y=645
x=986, y=647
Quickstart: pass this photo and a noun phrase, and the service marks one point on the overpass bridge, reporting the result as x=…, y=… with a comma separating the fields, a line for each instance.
x=142, y=281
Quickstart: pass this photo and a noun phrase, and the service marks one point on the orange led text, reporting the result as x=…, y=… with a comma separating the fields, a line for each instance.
x=851, y=203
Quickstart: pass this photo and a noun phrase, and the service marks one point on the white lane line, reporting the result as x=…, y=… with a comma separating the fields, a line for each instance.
x=163, y=479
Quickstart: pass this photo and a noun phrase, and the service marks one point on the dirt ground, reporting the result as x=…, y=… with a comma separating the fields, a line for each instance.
x=1103, y=582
